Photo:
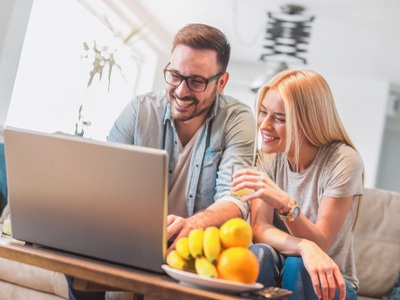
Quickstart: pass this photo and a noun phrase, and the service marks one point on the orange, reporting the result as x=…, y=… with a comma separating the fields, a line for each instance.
x=238, y=264
x=236, y=232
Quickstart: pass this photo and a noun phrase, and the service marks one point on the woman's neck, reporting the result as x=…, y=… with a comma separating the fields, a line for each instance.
x=307, y=154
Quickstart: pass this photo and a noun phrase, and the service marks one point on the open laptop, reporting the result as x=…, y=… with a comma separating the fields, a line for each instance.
x=99, y=199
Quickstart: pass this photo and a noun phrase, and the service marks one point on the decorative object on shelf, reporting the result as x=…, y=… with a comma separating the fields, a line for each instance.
x=81, y=123
x=286, y=40
x=103, y=59
x=102, y=56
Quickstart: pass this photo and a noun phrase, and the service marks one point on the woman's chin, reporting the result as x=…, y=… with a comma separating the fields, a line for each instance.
x=269, y=149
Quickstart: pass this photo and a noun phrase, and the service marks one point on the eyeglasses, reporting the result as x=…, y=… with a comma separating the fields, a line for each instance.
x=194, y=83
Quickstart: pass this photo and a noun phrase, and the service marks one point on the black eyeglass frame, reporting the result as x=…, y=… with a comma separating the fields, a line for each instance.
x=186, y=78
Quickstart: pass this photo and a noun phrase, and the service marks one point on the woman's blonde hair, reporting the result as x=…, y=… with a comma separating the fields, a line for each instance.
x=310, y=112
x=310, y=109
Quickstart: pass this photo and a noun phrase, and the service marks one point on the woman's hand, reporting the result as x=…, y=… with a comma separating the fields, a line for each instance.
x=265, y=189
x=325, y=274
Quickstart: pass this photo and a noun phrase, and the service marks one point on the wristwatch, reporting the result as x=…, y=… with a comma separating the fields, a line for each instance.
x=292, y=214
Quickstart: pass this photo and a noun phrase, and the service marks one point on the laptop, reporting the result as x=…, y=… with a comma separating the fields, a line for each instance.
x=103, y=200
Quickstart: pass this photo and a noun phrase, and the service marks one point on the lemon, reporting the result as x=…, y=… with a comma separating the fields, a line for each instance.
x=236, y=232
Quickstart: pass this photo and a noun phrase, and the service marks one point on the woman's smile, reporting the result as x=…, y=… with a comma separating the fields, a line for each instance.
x=266, y=138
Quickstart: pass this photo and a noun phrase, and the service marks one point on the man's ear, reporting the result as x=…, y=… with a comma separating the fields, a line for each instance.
x=222, y=81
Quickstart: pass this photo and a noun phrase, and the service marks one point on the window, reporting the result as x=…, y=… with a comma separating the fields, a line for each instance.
x=51, y=85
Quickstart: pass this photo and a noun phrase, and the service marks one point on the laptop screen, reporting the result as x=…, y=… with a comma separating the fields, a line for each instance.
x=98, y=199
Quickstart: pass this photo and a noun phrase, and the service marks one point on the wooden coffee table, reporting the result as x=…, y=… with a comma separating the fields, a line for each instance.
x=98, y=275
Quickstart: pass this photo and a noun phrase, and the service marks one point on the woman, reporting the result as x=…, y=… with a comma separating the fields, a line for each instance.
x=307, y=191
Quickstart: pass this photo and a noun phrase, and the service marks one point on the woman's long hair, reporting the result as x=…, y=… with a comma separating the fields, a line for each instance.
x=310, y=110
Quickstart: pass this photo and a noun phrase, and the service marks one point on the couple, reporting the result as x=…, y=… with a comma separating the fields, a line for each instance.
x=310, y=176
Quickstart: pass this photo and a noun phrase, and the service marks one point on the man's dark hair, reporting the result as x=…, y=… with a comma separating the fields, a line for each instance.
x=205, y=37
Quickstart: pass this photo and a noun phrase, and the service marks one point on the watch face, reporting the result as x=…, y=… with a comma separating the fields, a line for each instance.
x=296, y=212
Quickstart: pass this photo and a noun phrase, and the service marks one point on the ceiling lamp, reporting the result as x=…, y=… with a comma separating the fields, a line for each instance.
x=286, y=41
x=270, y=72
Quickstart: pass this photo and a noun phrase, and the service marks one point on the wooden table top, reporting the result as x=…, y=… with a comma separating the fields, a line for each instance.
x=118, y=277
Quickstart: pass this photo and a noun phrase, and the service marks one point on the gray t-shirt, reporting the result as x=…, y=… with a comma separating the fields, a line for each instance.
x=335, y=172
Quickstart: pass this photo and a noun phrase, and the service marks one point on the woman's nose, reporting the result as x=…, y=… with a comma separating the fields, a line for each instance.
x=265, y=123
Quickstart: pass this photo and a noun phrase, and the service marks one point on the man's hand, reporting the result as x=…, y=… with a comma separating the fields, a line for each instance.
x=215, y=215
x=325, y=274
x=178, y=227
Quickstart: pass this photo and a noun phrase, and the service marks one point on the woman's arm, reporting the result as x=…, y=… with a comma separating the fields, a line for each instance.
x=324, y=273
x=331, y=214
x=261, y=218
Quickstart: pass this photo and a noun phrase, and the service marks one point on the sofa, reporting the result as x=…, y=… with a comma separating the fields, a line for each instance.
x=377, y=252
x=377, y=243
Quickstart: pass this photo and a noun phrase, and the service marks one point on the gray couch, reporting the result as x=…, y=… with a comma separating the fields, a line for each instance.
x=377, y=247
x=377, y=243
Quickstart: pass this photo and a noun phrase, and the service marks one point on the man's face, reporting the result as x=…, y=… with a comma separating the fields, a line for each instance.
x=185, y=103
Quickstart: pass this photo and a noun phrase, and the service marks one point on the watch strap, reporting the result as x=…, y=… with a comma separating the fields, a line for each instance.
x=292, y=214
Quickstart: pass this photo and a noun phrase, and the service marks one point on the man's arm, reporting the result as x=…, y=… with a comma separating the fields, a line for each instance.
x=215, y=215
x=239, y=141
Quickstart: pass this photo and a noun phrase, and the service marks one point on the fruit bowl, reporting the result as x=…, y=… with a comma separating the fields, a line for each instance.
x=215, y=284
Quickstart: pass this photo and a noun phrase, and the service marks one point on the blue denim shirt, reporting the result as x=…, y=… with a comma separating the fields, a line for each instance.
x=227, y=137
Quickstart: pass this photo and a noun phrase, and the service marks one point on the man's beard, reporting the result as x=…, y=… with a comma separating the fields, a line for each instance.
x=195, y=103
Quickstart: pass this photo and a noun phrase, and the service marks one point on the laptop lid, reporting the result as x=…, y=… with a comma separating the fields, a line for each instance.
x=99, y=199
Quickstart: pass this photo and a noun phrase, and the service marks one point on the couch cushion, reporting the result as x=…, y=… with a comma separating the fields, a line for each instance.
x=377, y=242
x=12, y=291
x=33, y=277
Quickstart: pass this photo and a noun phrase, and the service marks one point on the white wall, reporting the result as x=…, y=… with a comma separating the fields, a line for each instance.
x=363, y=112
x=14, y=15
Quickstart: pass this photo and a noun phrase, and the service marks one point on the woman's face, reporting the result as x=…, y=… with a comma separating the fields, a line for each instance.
x=272, y=123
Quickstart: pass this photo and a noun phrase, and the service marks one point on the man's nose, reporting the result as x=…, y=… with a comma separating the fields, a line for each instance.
x=182, y=90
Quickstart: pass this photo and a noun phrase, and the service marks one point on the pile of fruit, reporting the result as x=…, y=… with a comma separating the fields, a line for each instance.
x=218, y=252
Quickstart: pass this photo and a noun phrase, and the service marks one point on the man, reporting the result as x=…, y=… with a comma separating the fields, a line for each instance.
x=204, y=132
